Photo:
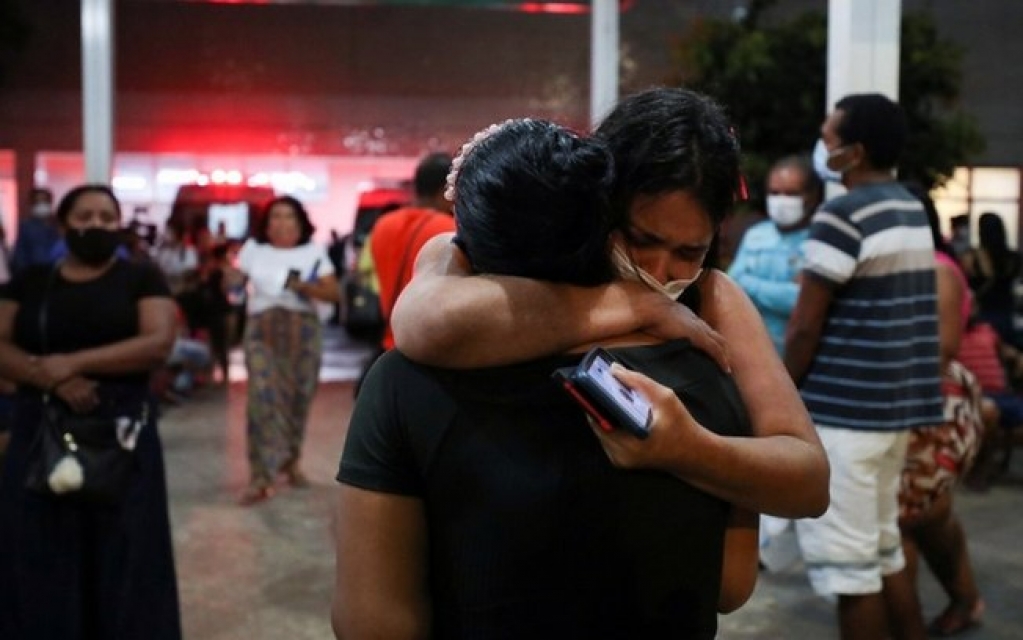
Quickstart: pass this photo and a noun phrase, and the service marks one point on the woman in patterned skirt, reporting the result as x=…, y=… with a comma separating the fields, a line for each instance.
x=287, y=273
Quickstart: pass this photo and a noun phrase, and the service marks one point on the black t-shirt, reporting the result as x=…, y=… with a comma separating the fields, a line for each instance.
x=533, y=533
x=82, y=315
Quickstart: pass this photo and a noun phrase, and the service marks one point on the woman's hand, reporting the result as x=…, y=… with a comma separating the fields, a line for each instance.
x=79, y=393
x=669, y=320
x=58, y=368
x=674, y=434
x=324, y=289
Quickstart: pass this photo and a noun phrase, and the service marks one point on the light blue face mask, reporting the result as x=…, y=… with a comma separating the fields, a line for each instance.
x=820, y=163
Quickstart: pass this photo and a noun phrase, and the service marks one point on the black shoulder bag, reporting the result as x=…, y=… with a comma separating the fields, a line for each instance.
x=364, y=313
x=88, y=458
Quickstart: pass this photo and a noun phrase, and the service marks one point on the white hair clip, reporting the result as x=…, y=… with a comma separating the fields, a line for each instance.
x=456, y=164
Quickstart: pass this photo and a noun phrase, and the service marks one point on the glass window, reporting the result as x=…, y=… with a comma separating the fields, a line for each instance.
x=980, y=189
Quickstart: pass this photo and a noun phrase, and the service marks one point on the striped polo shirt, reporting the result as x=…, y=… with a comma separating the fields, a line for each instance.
x=877, y=364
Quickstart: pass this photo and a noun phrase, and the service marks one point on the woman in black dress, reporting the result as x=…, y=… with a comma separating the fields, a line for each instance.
x=71, y=569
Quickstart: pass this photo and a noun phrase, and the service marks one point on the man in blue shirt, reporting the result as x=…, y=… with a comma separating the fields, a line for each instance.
x=769, y=258
x=38, y=234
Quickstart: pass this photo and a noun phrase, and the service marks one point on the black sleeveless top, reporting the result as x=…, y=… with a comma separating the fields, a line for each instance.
x=533, y=533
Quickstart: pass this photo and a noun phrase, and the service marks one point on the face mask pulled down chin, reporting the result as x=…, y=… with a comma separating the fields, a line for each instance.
x=673, y=288
x=93, y=246
x=820, y=164
x=785, y=211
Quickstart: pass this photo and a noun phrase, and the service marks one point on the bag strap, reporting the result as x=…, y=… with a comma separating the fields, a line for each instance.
x=398, y=280
x=44, y=317
x=44, y=308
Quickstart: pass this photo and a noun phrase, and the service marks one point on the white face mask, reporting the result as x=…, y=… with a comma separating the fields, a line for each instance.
x=673, y=288
x=786, y=211
x=41, y=210
x=821, y=155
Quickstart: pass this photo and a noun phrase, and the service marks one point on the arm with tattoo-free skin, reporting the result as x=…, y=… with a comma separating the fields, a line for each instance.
x=740, y=564
x=67, y=373
x=806, y=324
x=323, y=289
x=382, y=587
x=455, y=320
x=781, y=471
x=449, y=317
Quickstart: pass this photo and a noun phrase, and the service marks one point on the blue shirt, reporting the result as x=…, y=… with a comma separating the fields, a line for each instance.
x=36, y=240
x=766, y=266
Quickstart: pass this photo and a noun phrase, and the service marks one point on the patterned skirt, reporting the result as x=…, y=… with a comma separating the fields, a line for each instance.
x=938, y=456
x=283, y=349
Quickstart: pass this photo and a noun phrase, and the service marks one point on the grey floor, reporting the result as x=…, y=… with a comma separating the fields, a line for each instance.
x=266, y=572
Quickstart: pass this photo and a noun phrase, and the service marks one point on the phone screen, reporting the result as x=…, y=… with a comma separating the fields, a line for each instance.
x=629, y=400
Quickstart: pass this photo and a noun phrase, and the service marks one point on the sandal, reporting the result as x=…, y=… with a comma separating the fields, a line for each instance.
x=956, y=618
x=255, y=494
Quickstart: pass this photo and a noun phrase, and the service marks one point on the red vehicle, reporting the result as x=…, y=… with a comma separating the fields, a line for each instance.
x=206, y=206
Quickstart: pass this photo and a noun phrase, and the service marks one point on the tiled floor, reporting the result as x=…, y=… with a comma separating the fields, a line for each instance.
x=266, y=572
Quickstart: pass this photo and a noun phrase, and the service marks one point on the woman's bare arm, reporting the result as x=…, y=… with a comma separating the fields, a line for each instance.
x=740, y=565
x=950, y=318
x=146, y=351
x=475, y=321
x=16, y=364
x=324, y=288
x=781, y=471
x=381, y=589
x=448, y=317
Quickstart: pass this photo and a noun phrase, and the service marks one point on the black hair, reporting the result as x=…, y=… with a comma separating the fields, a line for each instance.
x=876, y=122
x=940, y=243
x=40, y=191
x=306, y=226
x=67, y=203
x=803, y=163
x=431, y=173
x=672, y=139
x=991, y=233
x=531, y=200
x=961, y=220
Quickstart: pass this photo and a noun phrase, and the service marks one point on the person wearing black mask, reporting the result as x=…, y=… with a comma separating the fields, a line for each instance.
x=71, y=568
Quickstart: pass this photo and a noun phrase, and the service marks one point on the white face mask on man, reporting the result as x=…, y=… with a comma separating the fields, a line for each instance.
x=673, y=288
x=821, y=155
x=785, y=211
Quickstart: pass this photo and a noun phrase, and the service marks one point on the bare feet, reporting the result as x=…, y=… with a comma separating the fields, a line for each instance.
x=957, y=618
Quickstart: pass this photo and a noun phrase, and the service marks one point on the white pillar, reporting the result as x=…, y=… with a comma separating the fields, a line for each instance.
x=863, y=53
x=863, y=48
x=98, y=89
x=603, y=58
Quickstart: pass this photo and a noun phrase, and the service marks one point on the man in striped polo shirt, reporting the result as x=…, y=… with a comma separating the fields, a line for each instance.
x=862, y=344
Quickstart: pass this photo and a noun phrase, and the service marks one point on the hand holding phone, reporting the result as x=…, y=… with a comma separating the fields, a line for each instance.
x=294, y=275
x=607, y=400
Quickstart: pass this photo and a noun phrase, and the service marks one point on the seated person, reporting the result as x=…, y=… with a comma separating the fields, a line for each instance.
x=480, y=504
x=996, y=365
